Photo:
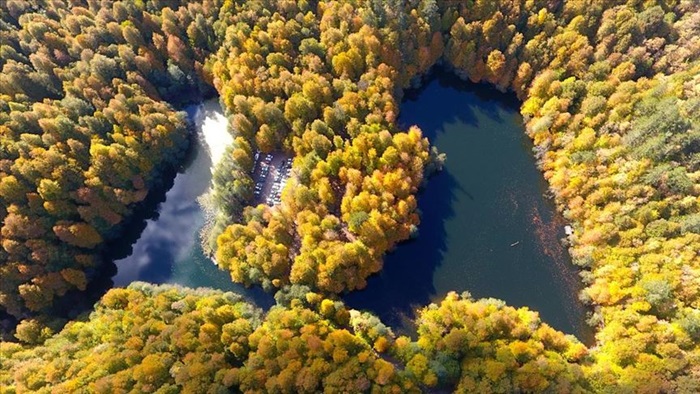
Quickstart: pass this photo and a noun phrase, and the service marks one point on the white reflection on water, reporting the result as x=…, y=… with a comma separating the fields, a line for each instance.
x=168, y=239
x=213, y=127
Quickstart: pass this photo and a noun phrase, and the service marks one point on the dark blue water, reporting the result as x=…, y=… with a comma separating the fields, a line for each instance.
x=486, y=226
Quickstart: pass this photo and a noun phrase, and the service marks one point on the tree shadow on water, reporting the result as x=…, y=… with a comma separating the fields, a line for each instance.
x=76, y=302
x=133, y=245
x=405, y=283
x=121, y=245
x=443, y=98
x=407, y=280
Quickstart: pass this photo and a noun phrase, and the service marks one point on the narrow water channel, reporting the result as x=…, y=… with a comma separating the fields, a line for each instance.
x=168, y=250
x=486, y=226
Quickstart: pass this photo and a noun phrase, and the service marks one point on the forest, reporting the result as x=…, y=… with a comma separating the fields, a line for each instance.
x=90, y=124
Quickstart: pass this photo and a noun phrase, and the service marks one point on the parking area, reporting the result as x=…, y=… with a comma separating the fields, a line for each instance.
x=270, y=173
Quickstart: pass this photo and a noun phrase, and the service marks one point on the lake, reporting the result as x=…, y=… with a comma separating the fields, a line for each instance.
x=168, y=249
x=486, y=225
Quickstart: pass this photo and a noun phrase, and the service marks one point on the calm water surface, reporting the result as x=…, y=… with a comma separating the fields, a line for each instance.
x=486, y=226
x=168, y=250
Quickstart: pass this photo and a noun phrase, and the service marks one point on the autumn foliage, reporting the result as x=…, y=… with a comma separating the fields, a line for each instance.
x=86, y=131
x=610, y=93
x=143, y=338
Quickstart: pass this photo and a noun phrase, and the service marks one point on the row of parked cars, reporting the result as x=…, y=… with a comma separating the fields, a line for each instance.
x=279, y=183
x=263, y=168
x=264, y=165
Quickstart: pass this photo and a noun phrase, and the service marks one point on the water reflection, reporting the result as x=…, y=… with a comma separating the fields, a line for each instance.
x=485, y=226
x=168, y=249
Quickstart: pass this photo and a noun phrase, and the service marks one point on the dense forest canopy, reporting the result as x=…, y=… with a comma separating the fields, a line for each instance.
x=88, y=125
